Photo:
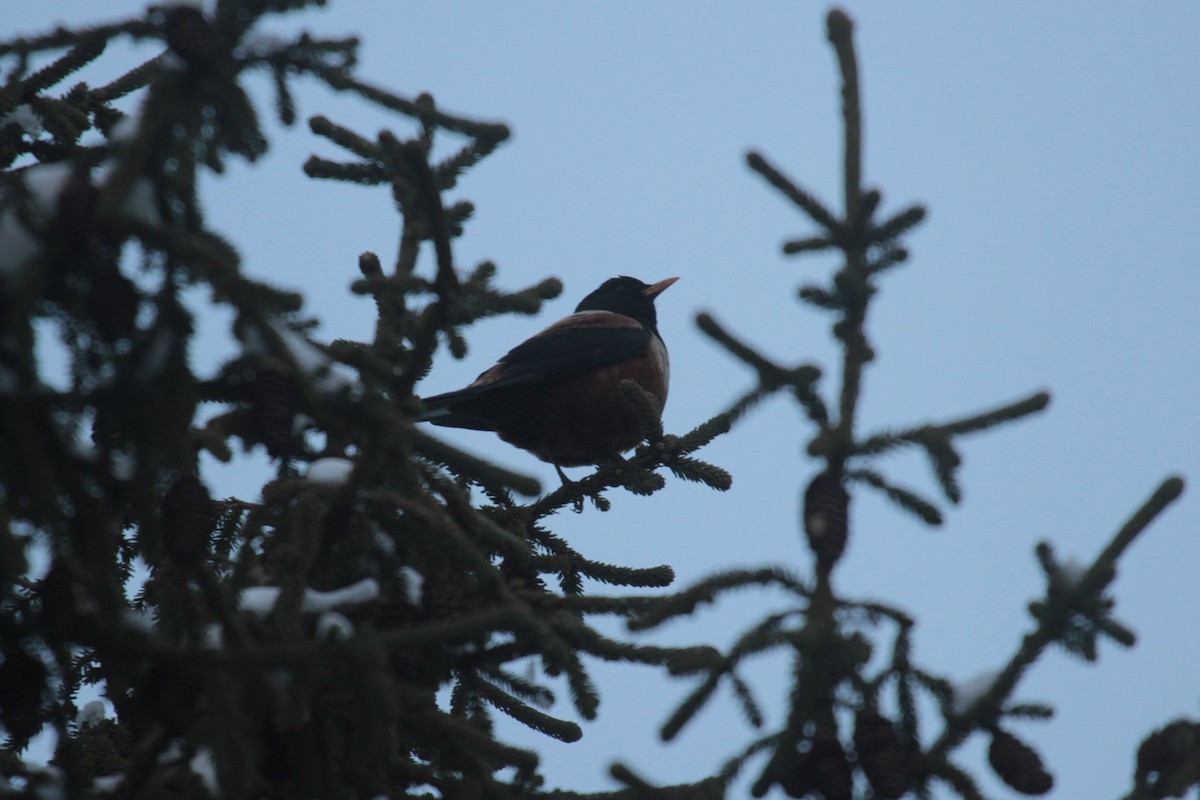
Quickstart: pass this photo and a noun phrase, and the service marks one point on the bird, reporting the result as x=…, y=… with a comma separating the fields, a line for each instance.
x=556, y=395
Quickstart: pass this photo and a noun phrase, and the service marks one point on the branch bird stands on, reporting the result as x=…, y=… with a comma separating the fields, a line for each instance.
x=557, y=394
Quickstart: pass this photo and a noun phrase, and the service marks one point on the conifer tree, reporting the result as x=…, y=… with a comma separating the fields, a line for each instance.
x=354, y=629
x=851, y=729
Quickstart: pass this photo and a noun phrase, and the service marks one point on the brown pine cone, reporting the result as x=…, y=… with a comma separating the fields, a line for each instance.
x=75, y=211
x=826, y=512
x=880, y=755
x=1018, y=764
x=22, y=681
x=273, y=404
x=188, y=518
x=113, y=302
x=1163, y=751
x=67, y=609
x=448, y=592
x=192, y=36
x=822, y=769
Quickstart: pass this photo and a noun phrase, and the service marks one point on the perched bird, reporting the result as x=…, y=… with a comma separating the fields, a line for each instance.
x=556, y=394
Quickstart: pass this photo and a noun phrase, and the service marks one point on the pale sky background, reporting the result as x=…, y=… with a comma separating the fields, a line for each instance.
x=1055, y=147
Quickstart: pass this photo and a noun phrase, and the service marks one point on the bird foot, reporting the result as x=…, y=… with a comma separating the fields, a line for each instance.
x=581, y=493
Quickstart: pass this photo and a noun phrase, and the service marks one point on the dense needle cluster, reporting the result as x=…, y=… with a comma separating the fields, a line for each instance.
x=353, y=627
x=292, y=641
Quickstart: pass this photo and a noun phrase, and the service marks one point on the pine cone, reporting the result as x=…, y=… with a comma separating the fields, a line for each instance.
x=166, y=695
x=66, y=607
x=826, y=510
x=823, y=769
x=192, y=37
x=103, y=748
x=113, y=302
x=880, y=755
x=1018, y=764
x=273, y=404
x=284, y=750
x=834, y=780
x=448, y=592
x=22, y=681
x=798, y=782
x=105, y=433
x=520, y=573
x=1163, y=751
x=75, y=210
x=188, y=520
x=111, y=299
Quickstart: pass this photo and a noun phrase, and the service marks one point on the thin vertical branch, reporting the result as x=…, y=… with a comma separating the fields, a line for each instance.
x=841, y=29
x=857, y=352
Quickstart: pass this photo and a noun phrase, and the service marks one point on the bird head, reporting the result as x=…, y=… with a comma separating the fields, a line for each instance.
x=628, y=296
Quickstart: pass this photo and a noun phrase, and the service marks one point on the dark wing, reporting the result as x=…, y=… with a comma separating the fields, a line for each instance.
x=566, y=351
x=553, y=354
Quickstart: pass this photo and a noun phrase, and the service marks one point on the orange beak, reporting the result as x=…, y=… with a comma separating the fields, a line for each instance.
x=654, y=290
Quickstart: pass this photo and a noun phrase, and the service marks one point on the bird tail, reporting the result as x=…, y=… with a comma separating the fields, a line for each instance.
x=447, y=410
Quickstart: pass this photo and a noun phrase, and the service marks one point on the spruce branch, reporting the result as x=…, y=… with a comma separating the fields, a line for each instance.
x=87, y=49
x=702, y=434
x=1037, y=711
x=555, y=728
x=959, y=781
x=801, y=379
x=635, y=474
x=810, y=244
x=1006, y=413
x=887, y=256
x=745, y=697
x=641, y=481
x=911, y=502
x=645, y=408
x=691, y=705
x=344, y=137
x=899, y=224
x=821, y=298
x=747, y=402
x=461, y=588
x=285, y=102
x=397, y=515
x=497, y=478
x=936, y=439
x=476, y=743
x=132, y=80
x=639, y=788
x=467, y=518
x=1074, y=613
x=769, y=372
x=348, y=172
x=802, y=198
x=641, y=577
x=676, y=660
x=428, y=190
x=63, y=36
x=840, y=34
x=426, y=113
x=706, y=591
x=693, y=469
x=1053, y=621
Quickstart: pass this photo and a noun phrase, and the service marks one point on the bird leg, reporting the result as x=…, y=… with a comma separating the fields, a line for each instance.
x=570, y=485
x=563, y=476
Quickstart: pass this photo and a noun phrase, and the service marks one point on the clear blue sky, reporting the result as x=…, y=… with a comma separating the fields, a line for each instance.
x=1055, y=146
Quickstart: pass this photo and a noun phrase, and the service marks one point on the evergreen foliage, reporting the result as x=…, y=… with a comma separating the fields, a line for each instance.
x=354, y=633
x=836, y=725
